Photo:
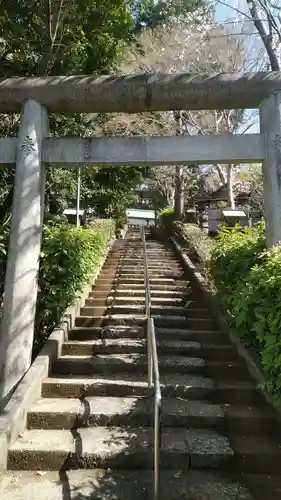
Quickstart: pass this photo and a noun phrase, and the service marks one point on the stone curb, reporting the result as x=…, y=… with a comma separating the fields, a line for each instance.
x=200, y=282
x=13, y=416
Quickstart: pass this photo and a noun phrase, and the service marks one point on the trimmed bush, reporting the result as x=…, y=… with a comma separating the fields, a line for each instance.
x=69, y=256
x=257, y=312
x=248, y=281
x=199, y=244
x=234, y=253
x=166, y=218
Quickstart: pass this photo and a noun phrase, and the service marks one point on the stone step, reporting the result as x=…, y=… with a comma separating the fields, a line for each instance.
x=126, y=293
x=131, y=281
x=161, y=267
x=187, y=303
x=157, y=296
x=128, y=485
x=132, y=448
x=67, y=413
x=139, y=309
x=124, y=265
x=138, y=275
x=137, y=363
x=154, y=287
x=123, y=346
x=192, y=386
x=136, y=299
x=137, y=331
x=139, y=319
x=132, y=260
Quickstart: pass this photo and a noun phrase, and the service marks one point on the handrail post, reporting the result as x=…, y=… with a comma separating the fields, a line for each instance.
x=153, y=370
x=149, y=354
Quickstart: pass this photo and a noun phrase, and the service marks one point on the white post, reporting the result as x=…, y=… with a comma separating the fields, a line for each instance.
x=17, y=326
x=78, y=198
x=270, y=127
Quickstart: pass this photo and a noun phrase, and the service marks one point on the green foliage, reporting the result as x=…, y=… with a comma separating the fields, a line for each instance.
x=60, y=38
x=198, y=242
x=69, y=256
x=166, y=218
x=151, y=14
x=235, y=253
x=248, y=280
x=257, y=312
x=64, y=38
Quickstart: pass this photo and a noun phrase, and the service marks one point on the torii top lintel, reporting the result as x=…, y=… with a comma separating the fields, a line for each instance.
x=139, y=92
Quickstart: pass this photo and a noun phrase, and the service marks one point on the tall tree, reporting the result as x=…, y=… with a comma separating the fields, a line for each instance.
x=58, y=37
x=266, y=16
x=153, y=14
x=198, y=45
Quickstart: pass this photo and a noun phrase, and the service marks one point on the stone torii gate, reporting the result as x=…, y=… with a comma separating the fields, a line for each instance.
x=34, y=150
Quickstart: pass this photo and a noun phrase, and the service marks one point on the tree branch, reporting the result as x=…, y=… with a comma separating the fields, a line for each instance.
x=266, y=39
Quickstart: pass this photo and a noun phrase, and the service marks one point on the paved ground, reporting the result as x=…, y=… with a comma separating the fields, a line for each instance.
x=108, y=485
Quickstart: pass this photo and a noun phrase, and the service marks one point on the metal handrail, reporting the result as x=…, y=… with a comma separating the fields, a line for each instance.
x=153, y=369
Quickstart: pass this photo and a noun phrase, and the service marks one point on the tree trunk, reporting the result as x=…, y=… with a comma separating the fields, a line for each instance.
x=267, y=38
x=179, y=193
x=179, y=180
x=230, y=194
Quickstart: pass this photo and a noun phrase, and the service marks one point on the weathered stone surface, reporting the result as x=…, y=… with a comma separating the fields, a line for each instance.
x=55, y=413
x=101, y=399
x=120, y=447
x=114, y=485
x=127, y=385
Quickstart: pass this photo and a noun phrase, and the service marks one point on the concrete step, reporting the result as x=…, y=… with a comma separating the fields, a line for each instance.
x=67, y=413
x=123, y=346
x=131, y=281
x=128, y=300
x=126, y=293
x=138, y=260
x=139, y=309
x=191, y=386
x=138, y=319
x=132, y=448
x=82, y=333
x=128, y=485
x=162, y=296
x=138, y=274
x=132, y=266
x=161, y=267
x=137, y=363
x=154, y=287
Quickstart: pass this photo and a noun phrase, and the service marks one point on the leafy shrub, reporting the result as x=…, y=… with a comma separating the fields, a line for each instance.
x=4, y=241
x=120, y=222
x=257, y=312
x=234, y=254
x=198, y=242
x=69, y=256
x=248, y=280
x=166, y=218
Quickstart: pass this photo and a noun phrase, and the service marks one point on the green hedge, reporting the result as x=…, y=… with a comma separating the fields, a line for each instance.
x=166, y=218
x=69, y=256
x=199, y=244
x=257, y=313
x=234, y=254
x=248, y=280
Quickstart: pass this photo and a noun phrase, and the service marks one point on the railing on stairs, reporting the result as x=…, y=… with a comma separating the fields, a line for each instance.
x=153, y=368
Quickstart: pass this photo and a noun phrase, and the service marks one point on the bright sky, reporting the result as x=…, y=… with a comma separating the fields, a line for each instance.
x=225, y=10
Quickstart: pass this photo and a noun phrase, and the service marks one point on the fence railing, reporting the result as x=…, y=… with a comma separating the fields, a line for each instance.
x=153, y=369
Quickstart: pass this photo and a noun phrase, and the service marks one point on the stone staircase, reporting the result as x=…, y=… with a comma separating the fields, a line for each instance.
x=220, y=440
